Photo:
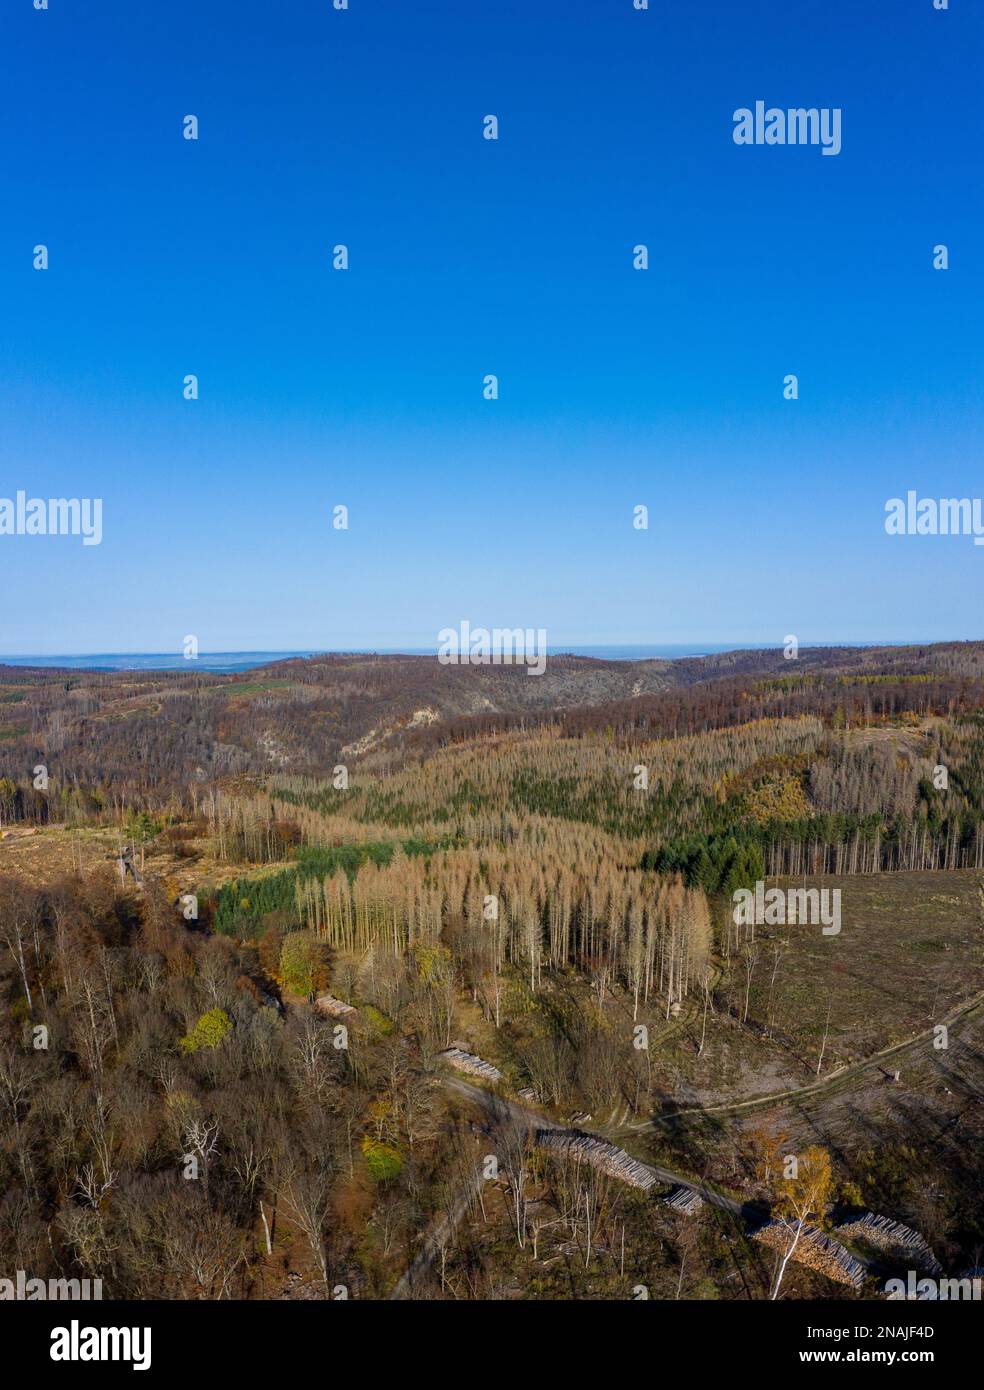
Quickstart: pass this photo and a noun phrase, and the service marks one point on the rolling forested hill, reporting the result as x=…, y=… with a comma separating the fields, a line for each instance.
x=104, y=737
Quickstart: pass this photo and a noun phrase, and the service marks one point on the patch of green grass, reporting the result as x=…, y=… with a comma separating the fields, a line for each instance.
x=380, y=1024
x=383, y=1161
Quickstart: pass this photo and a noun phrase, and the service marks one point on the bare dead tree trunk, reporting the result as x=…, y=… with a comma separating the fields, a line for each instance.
x=823, y=1045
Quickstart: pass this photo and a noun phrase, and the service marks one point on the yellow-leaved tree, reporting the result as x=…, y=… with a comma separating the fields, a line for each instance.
x=802, y=1193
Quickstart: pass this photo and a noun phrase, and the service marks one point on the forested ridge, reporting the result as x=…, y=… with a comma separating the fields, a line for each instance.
x=121, y=739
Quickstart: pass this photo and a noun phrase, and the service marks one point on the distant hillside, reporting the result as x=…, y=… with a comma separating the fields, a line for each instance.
x=105, y=736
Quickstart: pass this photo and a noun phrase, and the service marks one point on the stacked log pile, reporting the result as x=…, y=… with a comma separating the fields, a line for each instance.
x=685, y=1200
x=605, y=1157
x=470, y=1064
x=814, y=1249
x=334, y=1008
x=891, y=1237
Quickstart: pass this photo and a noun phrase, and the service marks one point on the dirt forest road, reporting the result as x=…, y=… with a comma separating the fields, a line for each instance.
x=497, y=1108
x=970, y=1012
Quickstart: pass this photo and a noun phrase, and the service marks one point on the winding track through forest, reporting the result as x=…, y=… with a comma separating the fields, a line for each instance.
x=970, y=1010
x=498, y=1108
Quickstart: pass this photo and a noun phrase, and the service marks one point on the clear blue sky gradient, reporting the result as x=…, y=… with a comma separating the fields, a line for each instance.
x=467, y=257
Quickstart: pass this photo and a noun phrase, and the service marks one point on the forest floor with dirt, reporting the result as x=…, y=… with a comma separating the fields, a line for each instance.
x=43, y=854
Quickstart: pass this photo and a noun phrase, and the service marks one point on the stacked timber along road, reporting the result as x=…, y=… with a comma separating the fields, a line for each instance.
x=820, y=1250
x=500, y=1111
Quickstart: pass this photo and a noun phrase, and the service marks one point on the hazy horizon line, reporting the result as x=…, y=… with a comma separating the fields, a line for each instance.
x=557, y=649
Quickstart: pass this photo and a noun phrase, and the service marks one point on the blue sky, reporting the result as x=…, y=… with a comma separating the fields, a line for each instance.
x=468, y=257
